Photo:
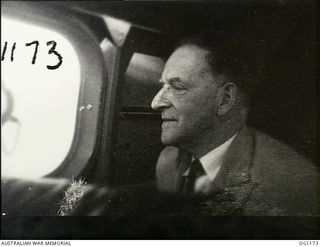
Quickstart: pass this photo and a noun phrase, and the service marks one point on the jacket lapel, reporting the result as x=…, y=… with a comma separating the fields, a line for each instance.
x=235, y=169
x=232, y=186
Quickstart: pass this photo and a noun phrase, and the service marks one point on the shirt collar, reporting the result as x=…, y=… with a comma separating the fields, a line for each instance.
x=212, y=160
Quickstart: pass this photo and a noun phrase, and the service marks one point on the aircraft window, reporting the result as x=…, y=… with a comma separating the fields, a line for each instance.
x=40, y=83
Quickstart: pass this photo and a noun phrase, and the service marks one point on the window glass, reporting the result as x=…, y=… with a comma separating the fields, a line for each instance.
x=40, y=84
x=141, y=80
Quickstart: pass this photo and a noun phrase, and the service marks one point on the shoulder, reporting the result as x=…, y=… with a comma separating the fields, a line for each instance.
x=166, y=169
x=169, y=153
x=287, y=179
x=168, y=160
x=273, y=148
x=274, y=156
x=171, y=163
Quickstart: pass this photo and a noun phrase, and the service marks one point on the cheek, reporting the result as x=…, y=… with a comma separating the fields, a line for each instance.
x=199, y=112
x=201, y=104
x=193, y=104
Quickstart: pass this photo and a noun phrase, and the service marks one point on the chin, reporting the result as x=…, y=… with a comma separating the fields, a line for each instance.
x=169, y=140
x=166, y=142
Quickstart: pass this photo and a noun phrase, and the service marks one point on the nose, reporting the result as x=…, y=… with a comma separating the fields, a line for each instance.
x=160, y=100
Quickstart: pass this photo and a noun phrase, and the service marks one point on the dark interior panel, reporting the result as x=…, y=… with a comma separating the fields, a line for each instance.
x=137, y=148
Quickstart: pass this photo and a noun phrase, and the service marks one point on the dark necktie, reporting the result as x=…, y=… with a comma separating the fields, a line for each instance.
x=195, y=171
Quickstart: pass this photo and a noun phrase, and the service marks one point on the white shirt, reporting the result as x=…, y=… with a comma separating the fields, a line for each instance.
x=211, y=163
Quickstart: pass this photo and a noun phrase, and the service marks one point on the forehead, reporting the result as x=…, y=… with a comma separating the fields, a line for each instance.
x=187, y=61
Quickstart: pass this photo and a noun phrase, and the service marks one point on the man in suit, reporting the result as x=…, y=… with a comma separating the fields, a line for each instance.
x=204, y=102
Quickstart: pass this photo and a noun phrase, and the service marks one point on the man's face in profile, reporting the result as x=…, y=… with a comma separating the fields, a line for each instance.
x=188, y=98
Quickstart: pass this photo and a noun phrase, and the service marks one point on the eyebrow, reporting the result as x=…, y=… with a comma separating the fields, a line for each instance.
x=171, y=80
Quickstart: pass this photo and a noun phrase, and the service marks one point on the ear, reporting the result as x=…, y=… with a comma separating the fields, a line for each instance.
x=227, y=99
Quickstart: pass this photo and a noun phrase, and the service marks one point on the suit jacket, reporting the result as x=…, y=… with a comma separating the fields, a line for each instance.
x=259, y=176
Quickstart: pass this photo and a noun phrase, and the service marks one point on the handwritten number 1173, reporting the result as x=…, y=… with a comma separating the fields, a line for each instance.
x=52, y=51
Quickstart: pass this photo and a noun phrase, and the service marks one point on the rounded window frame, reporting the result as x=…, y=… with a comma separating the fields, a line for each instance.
x=93, y=75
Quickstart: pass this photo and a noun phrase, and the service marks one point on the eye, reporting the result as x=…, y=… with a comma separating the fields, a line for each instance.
x=176, y=87
x=178, y=90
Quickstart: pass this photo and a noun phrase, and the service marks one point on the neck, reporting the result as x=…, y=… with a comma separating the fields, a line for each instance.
x=210, y=141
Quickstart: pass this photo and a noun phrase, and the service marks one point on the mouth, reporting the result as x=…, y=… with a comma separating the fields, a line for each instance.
x=169, y=120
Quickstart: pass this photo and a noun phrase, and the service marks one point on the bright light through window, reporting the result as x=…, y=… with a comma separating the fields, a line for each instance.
x=39, y=98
